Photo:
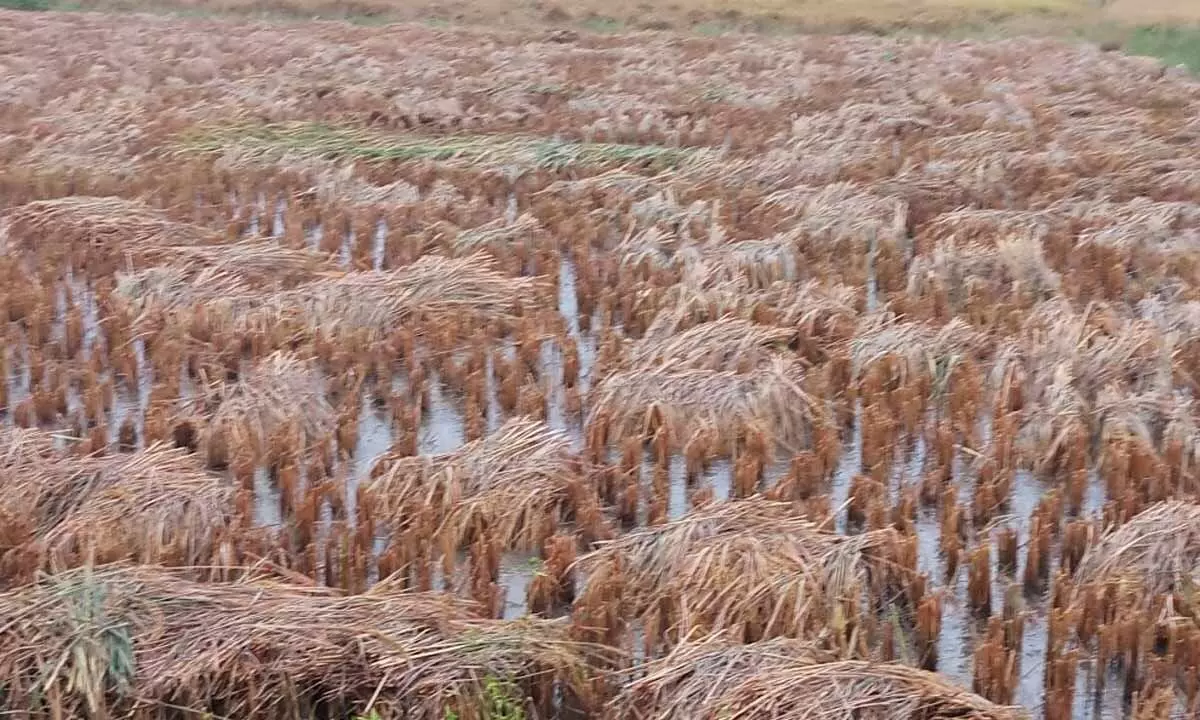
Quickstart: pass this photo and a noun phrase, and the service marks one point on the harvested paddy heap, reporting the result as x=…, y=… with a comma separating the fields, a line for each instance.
x=406, y=373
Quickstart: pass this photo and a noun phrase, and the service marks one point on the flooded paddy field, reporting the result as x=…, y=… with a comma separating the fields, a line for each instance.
x=411, y=373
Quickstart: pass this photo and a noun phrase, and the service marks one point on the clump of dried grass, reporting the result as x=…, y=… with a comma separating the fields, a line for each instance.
x=726, y=344
x=155, y=505
x=786, y=679
x=259, y=263
x=507, y=485
x=769, y=399
x=432, y=287
x=758, y=264
x=755, y=568
x=497, y=236
x=704, y=293
x=254, y=296
x=21, y=447
x=93, y=230
x=1154, y=555
x=696, y=673
x=1015, y=264
x=278, y=407
x=966, y=226
x=257, y=145
x=204, y=301
x=911, y=349
x=104, y=641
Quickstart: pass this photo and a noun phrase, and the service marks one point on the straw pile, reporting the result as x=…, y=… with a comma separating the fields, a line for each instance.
x=95, y=232
x=257, y=263
x=276, y=410
x=768, y=399
x=112, y=640
x=432, y=288
x=1154, y=555
x=752, y=568
x=788, y=679
x=507, y=486
x=156, y=505
x=721, y=345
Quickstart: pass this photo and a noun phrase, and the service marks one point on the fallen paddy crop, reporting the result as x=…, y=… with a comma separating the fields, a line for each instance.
x=877, y=354
x=139, y=639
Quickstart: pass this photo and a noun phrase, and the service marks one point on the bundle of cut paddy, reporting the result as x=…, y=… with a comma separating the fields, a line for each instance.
x=1053, y=420
x=21, y=447
x=1154, y=557
x=21, y=451
x=648, y=250
x=234, y=284
x=95, y=233
x=958, y=271
x=508, y=484
x=951, y=272
x=699, y=296
x=910, y=350
x=104, y=642
x=258, y=263
x=432, y=287
x=1099, y=347
x=840, y=222
x=786, y=680
x=703, y=295
x=757, y=263
x=965, y=227
x=497, y=237
x=754, y=568
x=155, y=505
x=339, y=183
x=257, y=415
x=814, y=307
x=768, y=399
x=208, y=300
x=725, y=344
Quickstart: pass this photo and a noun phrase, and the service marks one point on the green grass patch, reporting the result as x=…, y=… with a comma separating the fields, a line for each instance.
x=1174, y=45
x=272, y=142
x=34, y=5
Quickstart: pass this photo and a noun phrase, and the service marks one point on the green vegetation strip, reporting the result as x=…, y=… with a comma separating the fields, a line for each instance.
x=1174, y=45
x=268, y=142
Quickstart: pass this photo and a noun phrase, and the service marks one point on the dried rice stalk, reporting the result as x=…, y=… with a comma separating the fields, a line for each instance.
x=752, y=567
x=1152, y=556
x=432, y=287
x=787, y=680
x=20, y=447
x=725, y=344
x=507, y=483
x=917, y=348
x=258, y=263
x=101, y=642
x=769, y=399
x=261, y=408
x=156, y=505
x=496, y=236
x=99, y=227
